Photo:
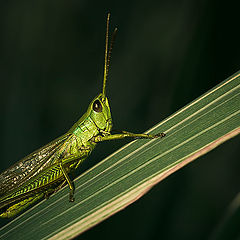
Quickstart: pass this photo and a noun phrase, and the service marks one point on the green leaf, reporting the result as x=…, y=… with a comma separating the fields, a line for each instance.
x=127, y=174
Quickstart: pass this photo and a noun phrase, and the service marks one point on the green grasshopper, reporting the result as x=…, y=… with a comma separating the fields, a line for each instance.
x=47, y=170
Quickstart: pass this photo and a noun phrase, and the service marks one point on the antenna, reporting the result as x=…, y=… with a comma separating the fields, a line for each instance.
x=107, y=54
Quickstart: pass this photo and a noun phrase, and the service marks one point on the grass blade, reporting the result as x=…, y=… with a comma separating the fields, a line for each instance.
x=126, y=175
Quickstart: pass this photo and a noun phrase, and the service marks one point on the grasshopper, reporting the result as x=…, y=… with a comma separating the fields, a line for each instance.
x=47, y=170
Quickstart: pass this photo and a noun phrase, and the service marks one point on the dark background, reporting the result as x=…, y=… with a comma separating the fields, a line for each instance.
x=166, y=54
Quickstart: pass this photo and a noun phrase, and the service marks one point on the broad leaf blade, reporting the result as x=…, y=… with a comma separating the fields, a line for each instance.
x=130, y=172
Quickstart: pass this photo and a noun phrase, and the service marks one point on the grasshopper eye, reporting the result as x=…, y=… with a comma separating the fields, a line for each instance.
x=97, y=106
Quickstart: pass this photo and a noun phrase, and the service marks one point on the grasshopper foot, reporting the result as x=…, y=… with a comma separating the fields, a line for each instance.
x=71, y=196
x=161, y=135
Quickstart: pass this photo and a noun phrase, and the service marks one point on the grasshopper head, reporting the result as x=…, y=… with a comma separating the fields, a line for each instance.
x=99, y=109
x=100, y=113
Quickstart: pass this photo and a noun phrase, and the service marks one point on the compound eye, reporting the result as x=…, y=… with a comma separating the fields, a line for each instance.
x=97, y=106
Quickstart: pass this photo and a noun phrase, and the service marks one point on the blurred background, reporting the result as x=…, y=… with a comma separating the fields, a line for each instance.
x=167, y=53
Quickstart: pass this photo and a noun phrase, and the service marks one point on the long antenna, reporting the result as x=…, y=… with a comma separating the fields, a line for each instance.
x=107, y=55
